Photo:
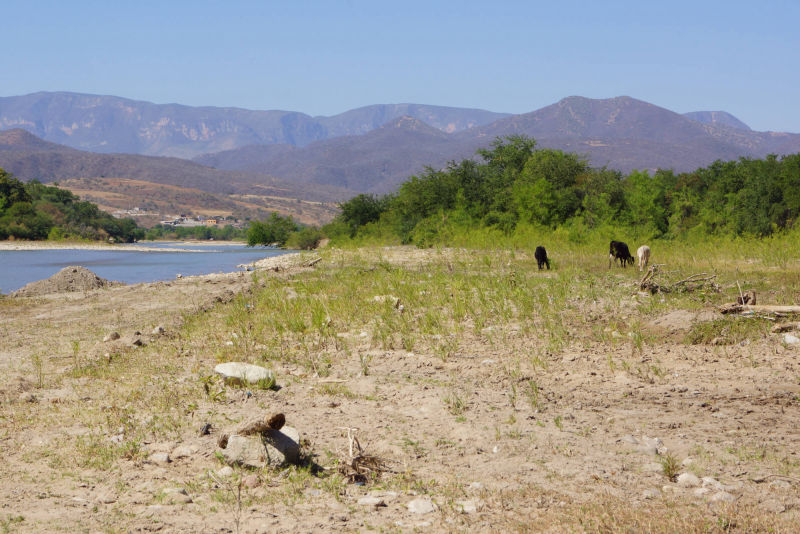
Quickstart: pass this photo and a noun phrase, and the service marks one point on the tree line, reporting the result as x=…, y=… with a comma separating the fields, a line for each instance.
x=513, y=184
x=36, y=211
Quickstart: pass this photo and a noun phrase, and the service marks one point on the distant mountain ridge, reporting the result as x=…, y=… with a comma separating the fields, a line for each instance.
x=373, y=149
x=110, y=124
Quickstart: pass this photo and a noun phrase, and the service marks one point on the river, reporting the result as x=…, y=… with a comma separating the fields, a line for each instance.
x=129, y=263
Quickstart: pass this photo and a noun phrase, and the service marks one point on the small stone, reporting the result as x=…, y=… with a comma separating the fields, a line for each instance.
x=789, y=339
x=629, y=439
x=780, y=484
x=160, y=458
x=652, y=446
x=106, y=498
x=28, y=396
x=712, y=483
x=374, y=502
x=700, y=492
x=184, y=451
x=468, y=507
x=688, y=480
x=476, y=486
x=272, y=447
x=179, y=275
x=649, y=494
x=687, y=462
x=244, y=373
x=723, y=496
x=159, y=331
x=226, y=471
x=111, y=337
x=421, y=505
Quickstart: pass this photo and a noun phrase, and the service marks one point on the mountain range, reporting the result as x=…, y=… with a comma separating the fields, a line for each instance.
x=369, y=149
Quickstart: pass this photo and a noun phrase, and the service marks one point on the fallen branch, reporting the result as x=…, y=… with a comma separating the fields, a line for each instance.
x=692, y=283
x=313, y=262
x=759, y=308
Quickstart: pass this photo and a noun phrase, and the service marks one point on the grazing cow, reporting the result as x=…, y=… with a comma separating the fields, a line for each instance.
x=541, y=257
x=619, y=251
x=644, y=257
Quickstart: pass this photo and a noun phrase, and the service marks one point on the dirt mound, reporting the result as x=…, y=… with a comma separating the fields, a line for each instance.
x=72, y=278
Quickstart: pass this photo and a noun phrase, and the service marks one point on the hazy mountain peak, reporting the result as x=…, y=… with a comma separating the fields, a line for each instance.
x=19, y=139
x=717, y=118
x=406, y=122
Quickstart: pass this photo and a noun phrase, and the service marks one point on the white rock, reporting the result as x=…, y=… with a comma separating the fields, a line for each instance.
x=789, y=339
x=375, y=502
x=476, y=486
x=688, y=480
x=700, y=492
x=160, y=458
x=244, y=373
x=225, y=471
x=712, y=483
x=421, y=505
x=468, y=507
x=159, y=330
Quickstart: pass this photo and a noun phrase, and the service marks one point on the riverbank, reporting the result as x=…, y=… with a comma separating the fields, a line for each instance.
x=474, y=393
x=140, y=246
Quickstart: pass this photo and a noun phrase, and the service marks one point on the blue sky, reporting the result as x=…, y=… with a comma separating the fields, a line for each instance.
x=324, y=58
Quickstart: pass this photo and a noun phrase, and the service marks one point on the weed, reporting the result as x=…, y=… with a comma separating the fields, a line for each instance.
x=670, y=466
x=455, y=405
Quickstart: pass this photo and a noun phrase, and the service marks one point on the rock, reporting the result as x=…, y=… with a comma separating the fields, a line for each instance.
x=723, y=496
x=687, y=462
x=476, y=486
x=159, y=331
x=688, y=480
x=374, y=502
x=422, y=505
x=652, y=446
x=244, y=373
x=651, y=494
x=184, y=451
x=700, y=492
x=28, y=396
x=106, y=498
x=272, y=447
x=790, y=339
x=468, y=507
x=225, y=471
x=160, y=458
x=113, y=336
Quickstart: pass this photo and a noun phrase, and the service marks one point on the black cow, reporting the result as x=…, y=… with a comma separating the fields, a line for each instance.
x=541, y=257
x=619, y=251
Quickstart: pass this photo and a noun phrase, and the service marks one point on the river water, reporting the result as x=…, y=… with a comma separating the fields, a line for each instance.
x=129, y=263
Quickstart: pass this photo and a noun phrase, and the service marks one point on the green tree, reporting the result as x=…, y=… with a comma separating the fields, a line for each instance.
x=275, y=230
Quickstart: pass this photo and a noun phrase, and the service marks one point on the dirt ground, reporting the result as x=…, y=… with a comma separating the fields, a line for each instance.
x=502, y=435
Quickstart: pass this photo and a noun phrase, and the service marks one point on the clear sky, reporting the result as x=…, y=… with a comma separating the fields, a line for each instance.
x=324, y=58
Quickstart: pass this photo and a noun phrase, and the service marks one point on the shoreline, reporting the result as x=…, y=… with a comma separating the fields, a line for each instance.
x=142, y=246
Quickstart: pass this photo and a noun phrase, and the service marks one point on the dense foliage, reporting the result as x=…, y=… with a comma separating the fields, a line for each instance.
x=36, y=211
x=273, y=231
x=516, y=186
x=217, y=233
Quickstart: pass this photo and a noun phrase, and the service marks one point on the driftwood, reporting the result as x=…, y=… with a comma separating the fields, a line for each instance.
x=360, y=466
x=313, y=262
x=785, y=327
x=692, y=283
x=748, y=308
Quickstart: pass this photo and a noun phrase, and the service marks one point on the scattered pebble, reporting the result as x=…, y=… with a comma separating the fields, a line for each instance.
x=225, y=471
x=160, y=458
x=790, y=339
x=422, y=505
x=374, y=502
x=468, y=507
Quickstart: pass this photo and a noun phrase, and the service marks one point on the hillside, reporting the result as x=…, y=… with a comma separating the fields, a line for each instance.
x=110, y=124
x=28, y=158
x=155, y=201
